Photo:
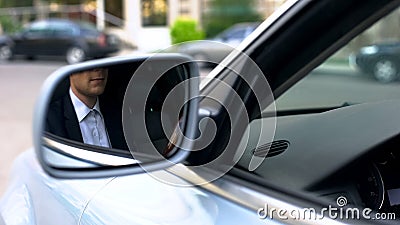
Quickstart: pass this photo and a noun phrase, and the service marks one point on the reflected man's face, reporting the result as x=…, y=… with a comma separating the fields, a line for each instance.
x=90, y=83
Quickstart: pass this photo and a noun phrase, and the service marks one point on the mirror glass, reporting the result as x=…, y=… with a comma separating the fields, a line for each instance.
x=117, y=114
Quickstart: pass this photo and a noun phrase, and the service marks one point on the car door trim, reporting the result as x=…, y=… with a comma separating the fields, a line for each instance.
x=81, y=154
x=245, y=196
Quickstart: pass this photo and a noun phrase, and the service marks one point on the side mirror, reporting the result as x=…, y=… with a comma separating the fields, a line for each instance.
x=117, y=116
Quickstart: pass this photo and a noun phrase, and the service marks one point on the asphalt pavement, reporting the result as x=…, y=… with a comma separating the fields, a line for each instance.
x=19, y=87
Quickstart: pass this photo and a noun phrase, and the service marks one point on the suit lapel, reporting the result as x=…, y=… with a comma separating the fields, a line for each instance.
x=71, y=120
x=112, y=121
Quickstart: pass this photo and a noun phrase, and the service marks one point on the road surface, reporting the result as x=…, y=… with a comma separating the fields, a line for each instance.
x=19, y=87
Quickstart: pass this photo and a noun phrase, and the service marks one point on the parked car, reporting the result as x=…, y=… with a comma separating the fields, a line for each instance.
x=382, y=61
x=76, y=41
x=262, y=141
x=209, y=52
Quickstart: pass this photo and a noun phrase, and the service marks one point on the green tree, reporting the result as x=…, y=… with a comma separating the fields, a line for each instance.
x=225, y=13
x=19, y=3
x=185, y=30
x=9, y=25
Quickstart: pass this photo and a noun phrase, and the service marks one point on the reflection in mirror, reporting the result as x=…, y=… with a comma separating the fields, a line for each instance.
x=76, y=113
x=85, y=117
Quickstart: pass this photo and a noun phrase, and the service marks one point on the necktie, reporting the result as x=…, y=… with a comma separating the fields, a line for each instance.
x=99, y=132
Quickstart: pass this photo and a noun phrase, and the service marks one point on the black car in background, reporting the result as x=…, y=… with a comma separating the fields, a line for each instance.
x=380, y=60
x=76, y=41
x=210, y=52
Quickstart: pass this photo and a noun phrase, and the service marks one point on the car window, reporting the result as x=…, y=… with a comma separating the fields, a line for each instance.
x=335, y=127
x=88, y=28
x=61, y=29
x=365, y=70
x=38, y=29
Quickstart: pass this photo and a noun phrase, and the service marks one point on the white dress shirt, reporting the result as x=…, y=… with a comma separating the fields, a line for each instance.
x=91, y=122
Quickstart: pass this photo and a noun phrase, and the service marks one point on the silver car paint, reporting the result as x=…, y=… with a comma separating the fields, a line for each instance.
x=141, y=199
x=16, y=206
x=35, y=198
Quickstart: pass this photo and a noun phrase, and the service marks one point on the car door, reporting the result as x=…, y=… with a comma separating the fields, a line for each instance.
x=63, y=36
x=33, y=40
x=285, y=51
x=33, y=197
x=144, y=199
x=251, y=162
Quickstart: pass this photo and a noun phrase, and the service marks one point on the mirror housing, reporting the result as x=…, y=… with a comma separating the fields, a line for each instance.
x=148, y=82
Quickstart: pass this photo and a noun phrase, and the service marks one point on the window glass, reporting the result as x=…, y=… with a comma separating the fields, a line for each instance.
x=365, y=70
x=61, y=29
x=38, y=29
x=154, y=12
x=347, y=154
x=87, y=26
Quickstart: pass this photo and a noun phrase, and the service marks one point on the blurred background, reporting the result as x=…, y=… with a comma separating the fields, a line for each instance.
x=141, y=24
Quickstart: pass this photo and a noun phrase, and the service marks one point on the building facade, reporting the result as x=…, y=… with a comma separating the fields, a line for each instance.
x=141, y=23
x=147, y=22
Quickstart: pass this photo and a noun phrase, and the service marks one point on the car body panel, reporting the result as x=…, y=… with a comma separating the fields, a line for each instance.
x=53, y=37
x=149, y=201
x=16, y=206
x=43, y=199
x=35, y=198
x=367, y=55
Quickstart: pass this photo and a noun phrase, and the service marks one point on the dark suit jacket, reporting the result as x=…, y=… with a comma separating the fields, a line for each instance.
x=62, y=121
